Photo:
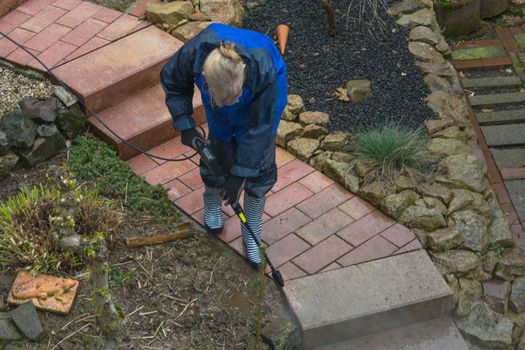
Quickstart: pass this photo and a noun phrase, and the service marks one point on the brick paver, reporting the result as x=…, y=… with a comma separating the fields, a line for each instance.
x=316, y=181
x=176, y=189
x=67, y=4
x=33, y=7
x=365, y=228
x=289, y=271
x=286, y=249
x=356, y=207
x=47, y=37
x=122, y=26
x=286, y=198
x=325, y=200
x=376, y=248
x=291, y=172
x=398, y=234
x=85, y=31
x=168, y=171
x=322, y=254
x=324, y=226
x=44, y=18
x=54, y=54
x=141, y=163
x=106, y=15
x=283, y=224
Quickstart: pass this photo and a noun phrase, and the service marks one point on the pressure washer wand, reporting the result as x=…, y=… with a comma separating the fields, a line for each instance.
x=240, y=213
x=210, y=161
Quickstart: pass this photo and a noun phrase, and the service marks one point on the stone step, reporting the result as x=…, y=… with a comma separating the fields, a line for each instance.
x=494, y=82
x=516, y=190
x=437, y=334
x=504, y=135
x=372, y=297
x=496, y=99
x=142, y=119
x=108, y=75
x=502, y=117
x=509, y=158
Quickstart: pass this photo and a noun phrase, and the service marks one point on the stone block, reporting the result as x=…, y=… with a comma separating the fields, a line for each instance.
x=26, y=319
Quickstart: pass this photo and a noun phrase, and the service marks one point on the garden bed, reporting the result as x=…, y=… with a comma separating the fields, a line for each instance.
x=318, y=64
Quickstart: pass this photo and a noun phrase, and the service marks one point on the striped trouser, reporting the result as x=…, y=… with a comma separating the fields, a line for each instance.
x=212, y=208
x=253, y=210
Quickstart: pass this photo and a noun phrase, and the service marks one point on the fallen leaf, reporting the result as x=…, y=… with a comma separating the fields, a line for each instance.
x=461, y=75
x=403, y=74
x=486, y=110
x=342, y=94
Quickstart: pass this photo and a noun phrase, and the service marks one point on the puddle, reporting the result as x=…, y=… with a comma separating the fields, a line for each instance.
x=238, y=301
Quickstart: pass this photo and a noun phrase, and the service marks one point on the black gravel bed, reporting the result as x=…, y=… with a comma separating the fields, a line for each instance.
x=490, y=73
x=318, y=64
x=500, y=108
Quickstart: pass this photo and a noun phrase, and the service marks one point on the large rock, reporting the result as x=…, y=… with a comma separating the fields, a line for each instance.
x=66, y=97
x=7, y=163
x=373, y=192
x=496, y=294
x=436, y=83
x=47, y=130
x=26, y=319
x=224, y=11
x=444, y=239
x=334, y=142
x=20, y=130
x=403, y=7
x=456, y=261
x=452, y=132
x=303, y=148
x=423, y=34
x=517, y=296
x=489, y=261
x=187, y=31
x=4, y=143
x=510, y=265
x=465, y=170
x=448, y=106
x=425, y=52
x=394, y=204
x=459, y=17
x=71, y=122
x=447, y=147
x=314, y=131
x=499, y=231
x=422, y=217
x=486, y=327
x=358, y=90
x=171, y=13
x=288, y=131
x=439, y=69
x=404, y=183
x=432, y=203
x=294, y=107
x=469, y=293
x=465, y=199
x=344, y=157
x=42, y=111
x=43, y=148
x=282, y=333
x=472, y=227
x=319, y=118
x=8, y=330
x=424, y=17
x=436, y=125
x=437, y=190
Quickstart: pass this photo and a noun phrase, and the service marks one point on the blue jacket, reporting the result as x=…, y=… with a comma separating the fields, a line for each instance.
x=254, y=119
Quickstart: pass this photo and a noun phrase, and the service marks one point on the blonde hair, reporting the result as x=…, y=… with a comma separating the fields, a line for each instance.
x=224, y=73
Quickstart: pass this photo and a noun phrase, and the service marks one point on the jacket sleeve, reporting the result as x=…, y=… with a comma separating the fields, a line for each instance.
x=255, y=144
x=177, y=80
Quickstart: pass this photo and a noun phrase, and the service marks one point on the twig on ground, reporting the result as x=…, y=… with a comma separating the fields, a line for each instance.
x=70, y=335
x=185, y=308
x=136, y=310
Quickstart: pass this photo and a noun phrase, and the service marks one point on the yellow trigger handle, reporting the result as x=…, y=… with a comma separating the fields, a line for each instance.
x=242, y=217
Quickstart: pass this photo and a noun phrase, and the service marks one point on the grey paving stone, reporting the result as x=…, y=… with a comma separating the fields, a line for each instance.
x=503, y=117
x=363, y=299
x=438, y=334
x=8, y=330
x=496, y=99
x=26, y=319
x=512, y=81
x=516, y=191
x=509, y=157
x=504, y=135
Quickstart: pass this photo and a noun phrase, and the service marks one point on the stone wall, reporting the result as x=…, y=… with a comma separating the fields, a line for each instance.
x=38, y=130
x=456, y=216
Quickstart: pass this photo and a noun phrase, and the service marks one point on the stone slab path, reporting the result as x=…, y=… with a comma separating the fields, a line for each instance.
x=500, y=117
x=316, y=231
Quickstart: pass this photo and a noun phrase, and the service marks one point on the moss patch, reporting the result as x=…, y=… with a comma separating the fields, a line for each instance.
x=520, y=39
x=479, y=52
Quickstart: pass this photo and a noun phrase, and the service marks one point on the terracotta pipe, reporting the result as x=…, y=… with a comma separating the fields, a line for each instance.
x=281, y=32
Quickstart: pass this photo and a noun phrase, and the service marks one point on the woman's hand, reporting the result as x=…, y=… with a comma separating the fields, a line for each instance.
x=232, y=189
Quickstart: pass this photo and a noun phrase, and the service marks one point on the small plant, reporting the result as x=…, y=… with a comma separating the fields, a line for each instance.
x=498, y=249
x=93, y=161
x=391, y=151
x=27, y=219
x=118, y=277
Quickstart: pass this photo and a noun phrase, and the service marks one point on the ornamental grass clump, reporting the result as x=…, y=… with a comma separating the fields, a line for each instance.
x=391, y=151
x=28, y=220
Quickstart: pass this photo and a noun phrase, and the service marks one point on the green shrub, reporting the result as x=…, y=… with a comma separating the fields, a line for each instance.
x=391, y=151
x=27, y=219
x=93, y=161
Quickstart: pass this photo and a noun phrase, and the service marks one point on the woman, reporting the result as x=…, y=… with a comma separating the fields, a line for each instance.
x=242, y=79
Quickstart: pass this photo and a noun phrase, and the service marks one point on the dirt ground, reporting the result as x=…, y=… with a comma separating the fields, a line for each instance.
x=194, y=293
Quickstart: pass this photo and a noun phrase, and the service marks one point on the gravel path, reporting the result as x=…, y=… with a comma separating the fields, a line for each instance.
x=318, y=64
x=15, y=86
